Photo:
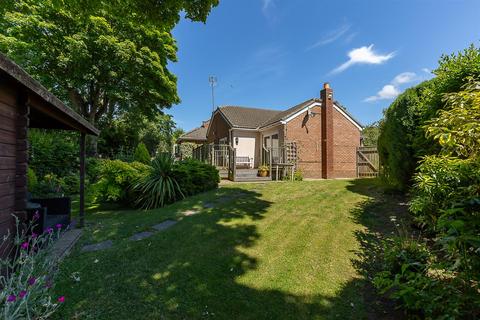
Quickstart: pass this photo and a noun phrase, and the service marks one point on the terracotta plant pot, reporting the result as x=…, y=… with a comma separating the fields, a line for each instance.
x=263, y=173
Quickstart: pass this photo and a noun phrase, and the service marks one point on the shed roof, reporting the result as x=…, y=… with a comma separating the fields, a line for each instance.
x=62, y=116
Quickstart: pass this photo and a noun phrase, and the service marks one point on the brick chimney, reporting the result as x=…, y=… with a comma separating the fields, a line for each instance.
x=327, y=131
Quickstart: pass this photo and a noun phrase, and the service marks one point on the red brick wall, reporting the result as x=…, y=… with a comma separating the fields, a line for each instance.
x=346, y=138
x=306, y=132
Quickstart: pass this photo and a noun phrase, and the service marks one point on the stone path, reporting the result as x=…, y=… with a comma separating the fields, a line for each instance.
x=98, y=246
x=190, y=212
x=141, y=235
x=136, y=237
x=62, y=247
x=164, y=225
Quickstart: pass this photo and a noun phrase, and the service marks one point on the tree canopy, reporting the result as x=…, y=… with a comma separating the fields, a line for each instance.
x=103, y=57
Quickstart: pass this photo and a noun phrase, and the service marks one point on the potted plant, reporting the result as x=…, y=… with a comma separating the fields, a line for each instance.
x=263, y=171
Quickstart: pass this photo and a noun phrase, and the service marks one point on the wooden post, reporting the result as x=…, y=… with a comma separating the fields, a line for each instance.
x=82, y=180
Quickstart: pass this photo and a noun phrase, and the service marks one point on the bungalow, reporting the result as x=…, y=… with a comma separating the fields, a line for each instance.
x=318, y=137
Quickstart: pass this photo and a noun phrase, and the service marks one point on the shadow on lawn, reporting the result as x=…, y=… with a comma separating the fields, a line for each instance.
x=192, y=271
x=375, y=215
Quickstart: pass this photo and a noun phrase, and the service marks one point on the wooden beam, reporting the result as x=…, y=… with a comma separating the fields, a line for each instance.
x=82, y=180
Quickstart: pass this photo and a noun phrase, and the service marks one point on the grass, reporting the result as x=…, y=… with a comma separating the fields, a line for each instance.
x=294, y=250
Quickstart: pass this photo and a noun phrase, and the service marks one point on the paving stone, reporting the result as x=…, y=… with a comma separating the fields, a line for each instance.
x=141, y=235
x=190, y=212
x=164, y=225
x=98, y=246
x=62, y=247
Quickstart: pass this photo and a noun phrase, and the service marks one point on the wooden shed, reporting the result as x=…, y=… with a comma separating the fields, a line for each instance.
x=25, y=103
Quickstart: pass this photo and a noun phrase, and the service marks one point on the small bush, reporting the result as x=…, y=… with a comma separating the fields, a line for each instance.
x=141, y=154
x=195, y=177
x=116, y=179
x=298, y=175
x=159, y=186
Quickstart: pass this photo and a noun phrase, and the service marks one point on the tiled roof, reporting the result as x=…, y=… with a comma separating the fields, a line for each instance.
x=257, y=118
x=287, y=113
x=250, y=118
x=197, y=134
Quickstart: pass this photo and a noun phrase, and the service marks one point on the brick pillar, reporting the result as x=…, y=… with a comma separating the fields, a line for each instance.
x=327, y=131
x=21, y=157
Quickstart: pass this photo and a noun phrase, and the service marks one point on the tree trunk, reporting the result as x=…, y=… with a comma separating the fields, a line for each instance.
x=92, y=141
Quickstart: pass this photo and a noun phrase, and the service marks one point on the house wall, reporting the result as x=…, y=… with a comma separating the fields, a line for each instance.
x=248, y=144
x=13, y=157
x=306, y=132
x=346, y=139
x=218, y=129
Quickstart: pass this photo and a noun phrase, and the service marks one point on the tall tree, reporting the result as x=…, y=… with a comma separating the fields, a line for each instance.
x=102, y=56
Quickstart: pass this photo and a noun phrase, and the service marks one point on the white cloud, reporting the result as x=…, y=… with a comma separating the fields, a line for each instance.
x=331, y=36
x=363, y=55
x=426, y=70
x=388, y=91
x=404, y=77
x=267, y=4
x=392, y=90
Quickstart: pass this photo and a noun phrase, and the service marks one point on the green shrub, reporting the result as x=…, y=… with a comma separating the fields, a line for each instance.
x=195, y=177
x=50, y=185
x=413, y=276
x=298, y=175
x=438, y=276
x=401, y=137
x=141, y=154
x=116, y=179
x=32, y=180
x=402, y=142
x=93, y=170
x=159, y=186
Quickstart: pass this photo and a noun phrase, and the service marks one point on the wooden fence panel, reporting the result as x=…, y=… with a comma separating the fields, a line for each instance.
x=368, y=162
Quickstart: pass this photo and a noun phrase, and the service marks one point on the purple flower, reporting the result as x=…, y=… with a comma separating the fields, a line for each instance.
x=36, y=216
x=22, y=294
x=24, y=245
x=48, y=285
x=31, y=281
x=61, y=299
x=11, y=298
x=58, y=225
x=48, y=230
x=34, y=235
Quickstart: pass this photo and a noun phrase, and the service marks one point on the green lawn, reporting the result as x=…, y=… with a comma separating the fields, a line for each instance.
x=293, y=250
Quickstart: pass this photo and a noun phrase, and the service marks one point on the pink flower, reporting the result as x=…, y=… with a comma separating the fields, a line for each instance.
x=11, y=298
x=24, y=245
x=31, y=281
x=22, y=294
x=58, y=225
x=61, y=299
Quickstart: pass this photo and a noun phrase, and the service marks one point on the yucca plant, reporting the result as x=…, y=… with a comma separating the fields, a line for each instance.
x=159, y=186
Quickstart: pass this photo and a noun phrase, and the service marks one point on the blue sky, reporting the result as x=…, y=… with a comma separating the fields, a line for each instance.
x=278, y=53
